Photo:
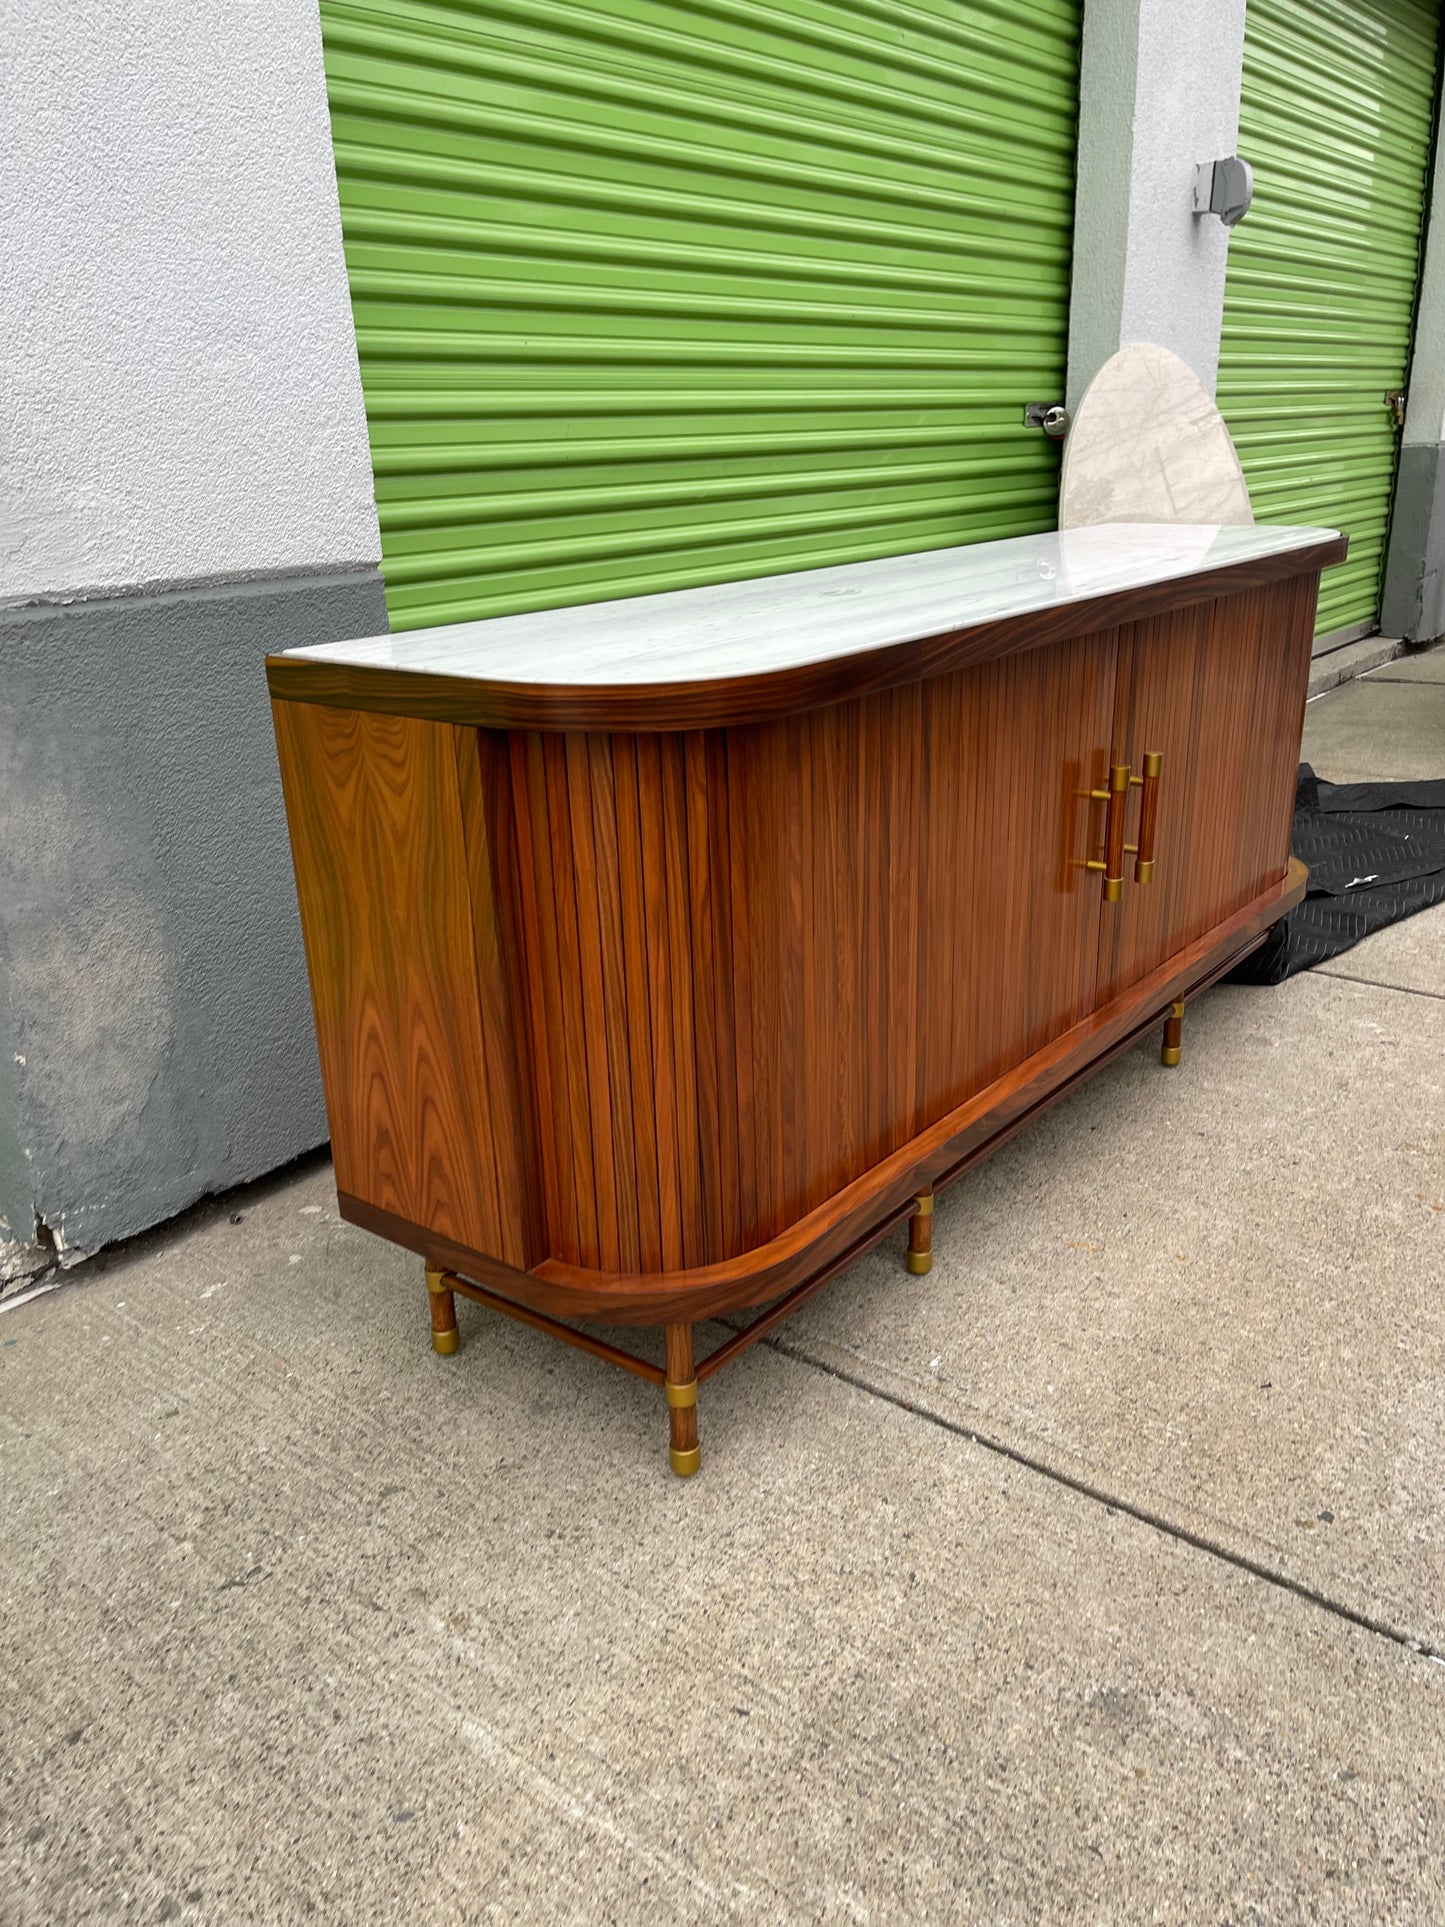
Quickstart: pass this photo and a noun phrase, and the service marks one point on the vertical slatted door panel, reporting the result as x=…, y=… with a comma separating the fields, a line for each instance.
x=1009, y=918
x=618, y=912
x=937, y=932
x=1219, y=689
x=1336, y=116
x=763, y=959
x=652, y=294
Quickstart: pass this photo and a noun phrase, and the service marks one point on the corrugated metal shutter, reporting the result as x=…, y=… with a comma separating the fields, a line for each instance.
x=649, y=295
x=1337, y=117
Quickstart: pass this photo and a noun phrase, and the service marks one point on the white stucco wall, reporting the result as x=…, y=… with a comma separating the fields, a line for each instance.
x=179, y=395
x=1159, y=92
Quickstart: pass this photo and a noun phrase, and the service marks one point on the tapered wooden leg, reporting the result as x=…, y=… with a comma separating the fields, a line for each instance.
x=1173, y=1048
x=444, y=1335
x=681, y=1389
x=920, y=1233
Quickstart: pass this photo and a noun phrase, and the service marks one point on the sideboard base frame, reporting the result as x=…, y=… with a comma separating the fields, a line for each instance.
x=1124, y=1022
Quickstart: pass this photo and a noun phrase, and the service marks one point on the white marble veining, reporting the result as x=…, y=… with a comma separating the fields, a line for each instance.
x=1148, y=445
x=781, y=622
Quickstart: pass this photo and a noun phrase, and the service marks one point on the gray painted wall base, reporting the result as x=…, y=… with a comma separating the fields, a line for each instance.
x=154, y=1016
x=1413, y=603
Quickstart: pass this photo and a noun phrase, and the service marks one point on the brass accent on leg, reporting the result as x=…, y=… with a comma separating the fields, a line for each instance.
x=445, y=1337
x=920, y=1234
x=680, y=1389
x=1173, y=1046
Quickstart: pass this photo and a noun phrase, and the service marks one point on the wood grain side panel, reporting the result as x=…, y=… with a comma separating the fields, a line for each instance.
x=382, y=878
x=1283, y=720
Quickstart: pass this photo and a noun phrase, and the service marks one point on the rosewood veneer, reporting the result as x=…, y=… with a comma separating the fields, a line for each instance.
x=666, y=954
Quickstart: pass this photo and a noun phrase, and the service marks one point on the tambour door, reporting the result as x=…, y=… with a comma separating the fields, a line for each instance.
x=761, y=959
x=1217, y=690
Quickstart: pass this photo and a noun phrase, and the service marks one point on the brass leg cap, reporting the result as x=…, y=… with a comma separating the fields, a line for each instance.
x=445, y=1342
x=1171, y=1054
x=684, y=1464
x=919, y=1262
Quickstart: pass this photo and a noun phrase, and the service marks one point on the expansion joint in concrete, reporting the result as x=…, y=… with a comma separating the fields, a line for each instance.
x=1373, y=983
x=1111, y=1501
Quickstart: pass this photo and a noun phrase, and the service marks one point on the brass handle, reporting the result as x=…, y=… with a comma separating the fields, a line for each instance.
x=1112, y=865
x=1143, y=850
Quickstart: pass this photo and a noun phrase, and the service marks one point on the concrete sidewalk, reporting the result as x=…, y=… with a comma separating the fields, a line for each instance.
x=1097, y=1577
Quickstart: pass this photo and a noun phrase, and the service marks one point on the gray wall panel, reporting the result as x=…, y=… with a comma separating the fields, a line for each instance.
x=160, y=1041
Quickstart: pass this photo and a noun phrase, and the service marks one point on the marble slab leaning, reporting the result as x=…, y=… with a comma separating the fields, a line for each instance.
x=1147, y=444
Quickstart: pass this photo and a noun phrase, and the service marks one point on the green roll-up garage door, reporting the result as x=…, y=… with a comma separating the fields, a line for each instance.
x=1337, y=118
x=649, y=295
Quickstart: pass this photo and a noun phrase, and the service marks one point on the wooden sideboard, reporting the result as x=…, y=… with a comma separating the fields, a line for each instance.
x=666, y=954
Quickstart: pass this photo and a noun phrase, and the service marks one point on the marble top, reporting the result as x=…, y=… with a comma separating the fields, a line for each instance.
x=783, y=622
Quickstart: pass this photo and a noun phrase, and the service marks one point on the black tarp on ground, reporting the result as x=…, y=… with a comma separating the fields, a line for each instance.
x=1376, y=853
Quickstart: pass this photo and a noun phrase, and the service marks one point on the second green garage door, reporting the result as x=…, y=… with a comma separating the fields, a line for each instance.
x=1337, y=118
x=650, y=295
